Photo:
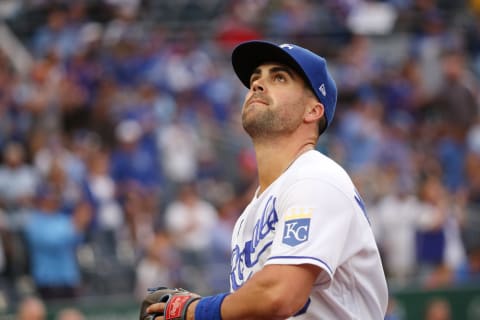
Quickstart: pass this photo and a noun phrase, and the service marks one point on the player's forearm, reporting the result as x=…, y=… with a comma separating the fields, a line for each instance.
x=258, y=305
x=269, y=294
x=245, y=307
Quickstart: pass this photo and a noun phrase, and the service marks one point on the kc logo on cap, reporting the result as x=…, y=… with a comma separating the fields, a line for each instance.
x=286, y=45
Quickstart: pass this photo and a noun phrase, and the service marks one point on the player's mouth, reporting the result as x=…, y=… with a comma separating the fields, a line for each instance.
x=256, y=100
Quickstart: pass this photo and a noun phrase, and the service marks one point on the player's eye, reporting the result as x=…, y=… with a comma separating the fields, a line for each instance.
x=279, y=77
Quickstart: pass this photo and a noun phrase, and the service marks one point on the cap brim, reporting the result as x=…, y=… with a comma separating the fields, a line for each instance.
x=247, y=56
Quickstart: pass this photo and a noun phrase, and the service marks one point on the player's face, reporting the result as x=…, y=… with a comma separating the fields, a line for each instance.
x=276, y=101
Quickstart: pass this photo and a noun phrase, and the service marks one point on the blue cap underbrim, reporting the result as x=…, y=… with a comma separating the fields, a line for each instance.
x=247, y=56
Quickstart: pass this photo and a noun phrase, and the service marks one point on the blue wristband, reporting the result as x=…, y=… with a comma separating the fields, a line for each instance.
x=208, y=308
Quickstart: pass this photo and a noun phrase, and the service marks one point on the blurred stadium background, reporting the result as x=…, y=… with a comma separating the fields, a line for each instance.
x=123, y=163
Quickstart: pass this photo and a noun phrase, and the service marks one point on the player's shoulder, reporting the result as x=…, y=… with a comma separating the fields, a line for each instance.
x=314, y=164
x=317, y=168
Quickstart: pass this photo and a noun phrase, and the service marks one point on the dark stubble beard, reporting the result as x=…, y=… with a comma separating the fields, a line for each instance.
x=266, y=123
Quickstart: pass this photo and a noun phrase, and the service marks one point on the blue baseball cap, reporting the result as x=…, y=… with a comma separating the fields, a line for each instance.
x=247, y=56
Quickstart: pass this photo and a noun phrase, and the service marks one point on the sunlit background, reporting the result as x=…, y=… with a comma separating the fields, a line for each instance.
x=124, y=165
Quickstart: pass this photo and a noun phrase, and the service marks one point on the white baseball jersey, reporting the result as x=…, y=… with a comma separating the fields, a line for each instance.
x=312, y=214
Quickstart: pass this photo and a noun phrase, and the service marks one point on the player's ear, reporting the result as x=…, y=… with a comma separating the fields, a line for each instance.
x=314, y=112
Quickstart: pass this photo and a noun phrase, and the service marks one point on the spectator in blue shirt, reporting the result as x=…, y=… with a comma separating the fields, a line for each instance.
x=133, y=164
x=52, y=238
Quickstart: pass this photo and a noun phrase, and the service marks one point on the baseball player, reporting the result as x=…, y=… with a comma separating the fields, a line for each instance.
x=303, y=247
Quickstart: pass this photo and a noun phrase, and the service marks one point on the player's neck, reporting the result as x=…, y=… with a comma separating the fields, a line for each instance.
x=275, y=158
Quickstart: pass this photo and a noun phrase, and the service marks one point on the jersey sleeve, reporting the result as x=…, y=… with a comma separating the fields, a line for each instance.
x=314, y=222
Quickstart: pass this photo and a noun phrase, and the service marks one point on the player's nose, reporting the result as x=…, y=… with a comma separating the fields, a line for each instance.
x=257, y=85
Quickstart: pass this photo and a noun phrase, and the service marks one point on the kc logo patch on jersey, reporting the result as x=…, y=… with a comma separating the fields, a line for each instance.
x=297, y=226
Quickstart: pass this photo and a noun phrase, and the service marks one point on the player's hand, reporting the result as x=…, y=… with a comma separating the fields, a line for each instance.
x=157, y=308
x=163, y=303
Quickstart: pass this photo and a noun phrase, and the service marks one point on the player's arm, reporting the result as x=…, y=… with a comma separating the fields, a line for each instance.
x=275, y=292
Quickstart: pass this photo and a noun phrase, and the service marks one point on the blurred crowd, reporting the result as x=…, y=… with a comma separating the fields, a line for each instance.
x=124, y=164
